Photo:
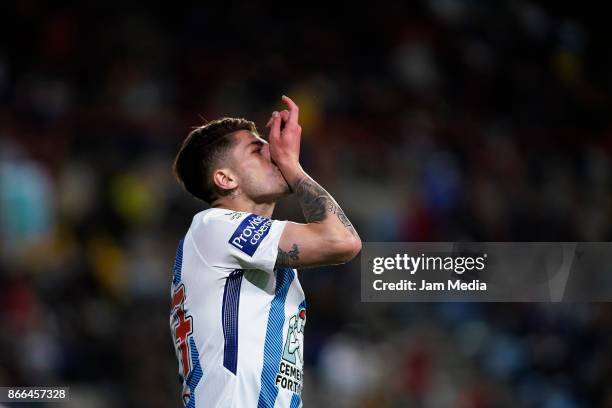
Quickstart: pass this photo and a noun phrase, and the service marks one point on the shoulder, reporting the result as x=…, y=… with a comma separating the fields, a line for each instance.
x=236, y=239
x=212, y=231
x=219, y=215
x=217, y=218
x=236, y=223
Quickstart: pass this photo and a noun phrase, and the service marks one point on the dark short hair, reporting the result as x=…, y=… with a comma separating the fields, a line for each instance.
x=203, y=151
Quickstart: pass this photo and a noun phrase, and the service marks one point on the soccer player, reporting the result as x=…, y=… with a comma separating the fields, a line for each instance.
x=238, y=310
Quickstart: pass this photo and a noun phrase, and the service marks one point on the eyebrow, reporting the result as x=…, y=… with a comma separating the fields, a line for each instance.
x=255, y=142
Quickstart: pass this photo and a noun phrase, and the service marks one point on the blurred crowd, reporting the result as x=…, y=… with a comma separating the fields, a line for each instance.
x=436, y=120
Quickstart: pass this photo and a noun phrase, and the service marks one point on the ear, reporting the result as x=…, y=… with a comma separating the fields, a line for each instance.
x=224, y=179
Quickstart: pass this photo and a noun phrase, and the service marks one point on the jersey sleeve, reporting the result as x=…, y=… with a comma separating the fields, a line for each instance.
x=231, y=240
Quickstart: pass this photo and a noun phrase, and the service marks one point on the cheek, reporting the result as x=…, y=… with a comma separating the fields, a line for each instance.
x=262, y=165
x=251, y=165
x=254, y=170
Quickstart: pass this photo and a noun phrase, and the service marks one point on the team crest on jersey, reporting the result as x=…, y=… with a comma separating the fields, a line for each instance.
x=249, y=234
x=290, y=376
x=234, y=215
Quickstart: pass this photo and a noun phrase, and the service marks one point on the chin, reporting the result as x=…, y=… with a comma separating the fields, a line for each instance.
x=283, y=191
x=286, y=190
x=274, y=196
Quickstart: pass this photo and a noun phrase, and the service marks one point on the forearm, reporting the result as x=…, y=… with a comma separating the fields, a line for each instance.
x=327, y=238
x=318, y=205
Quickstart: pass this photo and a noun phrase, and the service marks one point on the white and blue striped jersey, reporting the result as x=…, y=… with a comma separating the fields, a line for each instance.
x=237, y=323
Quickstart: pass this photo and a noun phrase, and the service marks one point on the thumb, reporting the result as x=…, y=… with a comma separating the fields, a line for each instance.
x=275, y=126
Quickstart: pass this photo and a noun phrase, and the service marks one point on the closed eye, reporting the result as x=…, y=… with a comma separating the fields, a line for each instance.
x=258, y=146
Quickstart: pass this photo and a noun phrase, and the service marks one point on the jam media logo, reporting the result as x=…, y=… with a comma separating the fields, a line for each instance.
x=249, y=234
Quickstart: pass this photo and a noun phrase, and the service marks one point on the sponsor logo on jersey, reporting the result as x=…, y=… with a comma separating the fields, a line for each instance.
x=290, y=375
x=249, y=234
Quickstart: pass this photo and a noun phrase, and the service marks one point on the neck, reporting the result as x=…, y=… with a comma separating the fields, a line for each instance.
x=244, y=204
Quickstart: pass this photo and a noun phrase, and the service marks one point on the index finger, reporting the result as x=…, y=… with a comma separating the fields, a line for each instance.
x=293, y=109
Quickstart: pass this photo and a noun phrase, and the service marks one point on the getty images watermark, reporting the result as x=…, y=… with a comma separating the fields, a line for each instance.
x=412, y=264
x=486, y=272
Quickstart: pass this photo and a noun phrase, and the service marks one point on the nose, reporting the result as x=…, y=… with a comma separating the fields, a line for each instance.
x=266, y=152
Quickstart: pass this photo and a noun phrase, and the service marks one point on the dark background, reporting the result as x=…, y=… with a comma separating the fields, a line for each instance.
x=438, y=120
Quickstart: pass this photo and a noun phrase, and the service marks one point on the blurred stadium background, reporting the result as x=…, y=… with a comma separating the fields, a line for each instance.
x=437, y=120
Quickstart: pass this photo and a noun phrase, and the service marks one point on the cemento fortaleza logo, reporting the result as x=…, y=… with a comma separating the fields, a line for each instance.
x=290, y=375
x=249, y=234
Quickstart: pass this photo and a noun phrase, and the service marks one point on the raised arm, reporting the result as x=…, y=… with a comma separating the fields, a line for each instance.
x=328, y=237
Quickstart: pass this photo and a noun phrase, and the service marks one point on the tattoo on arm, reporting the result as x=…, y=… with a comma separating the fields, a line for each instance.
x=283, y=258
x=316, y=203
x=313, y=200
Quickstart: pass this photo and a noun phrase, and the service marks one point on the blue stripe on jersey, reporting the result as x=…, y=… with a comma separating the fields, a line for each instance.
x=302, y=305
x=178, y=263
x=273, y=346
x=229, y=315
x=295, y=401
x=196, y=373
